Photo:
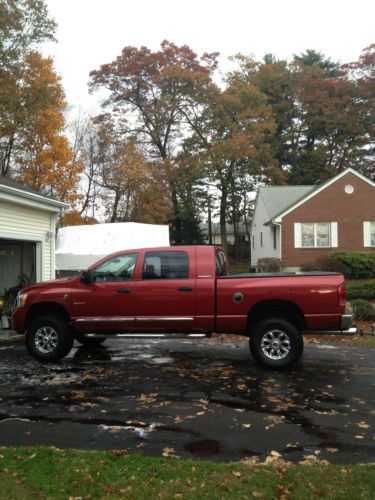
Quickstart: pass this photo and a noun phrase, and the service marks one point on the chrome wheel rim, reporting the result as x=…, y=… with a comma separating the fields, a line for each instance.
x=46, y=339
x=275, y=344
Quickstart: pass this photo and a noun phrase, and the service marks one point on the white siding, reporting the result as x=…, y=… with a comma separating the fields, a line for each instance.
x=259, y=251
x=26, y=223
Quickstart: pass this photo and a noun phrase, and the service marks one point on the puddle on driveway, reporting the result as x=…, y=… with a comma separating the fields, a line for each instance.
x=141, y=431
x=102, y=354
x=203, y=448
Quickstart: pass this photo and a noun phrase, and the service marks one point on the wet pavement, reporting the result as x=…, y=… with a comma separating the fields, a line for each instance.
x=192, y=398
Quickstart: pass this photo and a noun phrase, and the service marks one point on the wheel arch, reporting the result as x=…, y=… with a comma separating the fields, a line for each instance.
x=283, y=309
x=46, y=308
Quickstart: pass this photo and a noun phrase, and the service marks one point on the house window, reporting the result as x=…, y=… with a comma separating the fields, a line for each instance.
x=315, y=234
x=253, y=241
x=274, y=237
x=261, y=239
x=369, y=234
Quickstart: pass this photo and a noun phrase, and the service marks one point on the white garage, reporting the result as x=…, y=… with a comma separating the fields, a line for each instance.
x=27, y=235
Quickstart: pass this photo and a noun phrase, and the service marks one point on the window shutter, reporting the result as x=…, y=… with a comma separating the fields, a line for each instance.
x=297, y=235
x=366, y=234
x=334, y=235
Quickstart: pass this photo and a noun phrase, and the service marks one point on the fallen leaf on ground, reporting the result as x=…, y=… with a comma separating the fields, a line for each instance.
x=169, y=452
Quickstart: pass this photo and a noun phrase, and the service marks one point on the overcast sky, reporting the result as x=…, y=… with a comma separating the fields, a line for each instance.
x=93, y=32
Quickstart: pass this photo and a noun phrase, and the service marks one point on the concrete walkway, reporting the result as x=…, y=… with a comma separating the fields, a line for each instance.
x=6, y=334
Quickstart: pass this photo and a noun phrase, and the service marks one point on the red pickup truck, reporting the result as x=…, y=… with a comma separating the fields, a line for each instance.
x=185, y=290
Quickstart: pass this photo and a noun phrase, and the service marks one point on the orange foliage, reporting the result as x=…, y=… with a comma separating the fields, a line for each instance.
x=74, y=218
x=139, y=192
x=43, y=159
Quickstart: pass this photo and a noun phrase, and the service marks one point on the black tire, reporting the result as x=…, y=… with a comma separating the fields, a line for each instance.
x=49, y=338
x=276, y=343
x=88, y=341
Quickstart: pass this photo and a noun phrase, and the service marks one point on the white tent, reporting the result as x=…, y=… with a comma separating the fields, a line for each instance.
x=77, y=247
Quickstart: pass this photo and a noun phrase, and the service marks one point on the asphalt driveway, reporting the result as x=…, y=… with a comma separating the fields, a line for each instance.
x=192, y=398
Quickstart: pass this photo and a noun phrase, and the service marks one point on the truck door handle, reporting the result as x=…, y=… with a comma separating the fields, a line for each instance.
x=185, y=289
x=124, y=290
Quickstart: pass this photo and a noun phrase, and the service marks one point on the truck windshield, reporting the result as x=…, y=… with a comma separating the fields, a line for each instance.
x=118, y=268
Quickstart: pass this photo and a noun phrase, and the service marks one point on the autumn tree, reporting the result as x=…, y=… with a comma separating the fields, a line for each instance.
x=319, y=129
x=328, y=130
x=362, y=73
x=133, y=187
x=231, y=128
x=88, y=150
x=146, y=90
x=38, y=152
x=33, y=147
x=276, y=82
x=24, y=24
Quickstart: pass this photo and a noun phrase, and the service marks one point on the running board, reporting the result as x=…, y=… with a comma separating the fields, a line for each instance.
x=349, y=331
x=145, y=335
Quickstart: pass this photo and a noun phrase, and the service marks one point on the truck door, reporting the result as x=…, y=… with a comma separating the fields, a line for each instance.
x=165, y=292
x=107, y=302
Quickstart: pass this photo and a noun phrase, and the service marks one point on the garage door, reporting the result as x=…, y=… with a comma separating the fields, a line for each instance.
x=10, y=266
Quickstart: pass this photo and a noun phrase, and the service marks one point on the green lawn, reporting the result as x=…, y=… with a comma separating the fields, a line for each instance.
x=70, y=474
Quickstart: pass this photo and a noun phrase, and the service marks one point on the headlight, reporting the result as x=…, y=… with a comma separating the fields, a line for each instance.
x=21, y=300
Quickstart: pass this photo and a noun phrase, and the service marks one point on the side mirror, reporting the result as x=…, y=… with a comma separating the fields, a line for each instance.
x=86, y=277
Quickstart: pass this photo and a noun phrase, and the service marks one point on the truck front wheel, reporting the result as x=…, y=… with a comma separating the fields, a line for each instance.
x=49, y=338
x=276, y=343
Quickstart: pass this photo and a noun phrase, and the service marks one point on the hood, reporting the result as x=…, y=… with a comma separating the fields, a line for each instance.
x=48, y=284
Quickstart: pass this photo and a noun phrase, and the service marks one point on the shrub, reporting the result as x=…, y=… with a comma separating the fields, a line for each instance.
x=361, y=290
x=328, y=264
x=359, y=265
x=363, y=310
x=269, y=265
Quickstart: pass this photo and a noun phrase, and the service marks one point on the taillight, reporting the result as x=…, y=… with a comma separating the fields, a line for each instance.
x=342, y=295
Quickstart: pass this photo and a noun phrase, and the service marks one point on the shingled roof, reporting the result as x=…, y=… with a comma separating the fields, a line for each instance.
x=4, y=181
x=10, y=186
x=277, y=199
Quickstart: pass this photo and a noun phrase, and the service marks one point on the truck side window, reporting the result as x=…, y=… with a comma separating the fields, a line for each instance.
x=165, y=265
x=119, y=268
x=221, y=263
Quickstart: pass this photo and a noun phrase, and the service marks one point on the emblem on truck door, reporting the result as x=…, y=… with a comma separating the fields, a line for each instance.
x=238, y=297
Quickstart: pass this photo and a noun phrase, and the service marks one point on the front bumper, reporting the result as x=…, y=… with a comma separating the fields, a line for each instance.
x=18, y=320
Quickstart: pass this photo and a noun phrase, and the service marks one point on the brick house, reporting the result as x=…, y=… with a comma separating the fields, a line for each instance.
x=300, y=224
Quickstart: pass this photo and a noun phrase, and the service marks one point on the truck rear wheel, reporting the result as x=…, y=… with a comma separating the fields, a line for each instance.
x=49, y=338
x=276, y=343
